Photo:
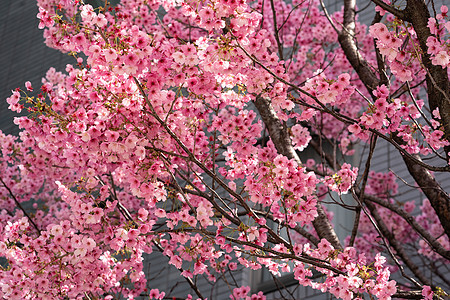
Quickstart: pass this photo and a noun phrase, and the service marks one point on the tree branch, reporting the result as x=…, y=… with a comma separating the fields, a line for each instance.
x=189, y=280
x=438, y=84
x=20, y=206
x=314, y=240
x=387, y=7
x=439, y=199
x=429, y=239
x=346, y=38
x=276, y=31
x=386, y=234
x=280, y=137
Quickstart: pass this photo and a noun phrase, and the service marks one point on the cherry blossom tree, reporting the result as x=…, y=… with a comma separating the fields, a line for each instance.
x=184, y=127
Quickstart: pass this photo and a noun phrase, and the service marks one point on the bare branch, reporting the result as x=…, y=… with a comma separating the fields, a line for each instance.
x=387, y=7
x=314, y=240
x=276, y=30
x=348, y=43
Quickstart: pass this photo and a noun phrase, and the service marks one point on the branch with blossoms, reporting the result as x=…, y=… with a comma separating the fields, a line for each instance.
x=346, y=119
x=347, y=32
x=19, y=205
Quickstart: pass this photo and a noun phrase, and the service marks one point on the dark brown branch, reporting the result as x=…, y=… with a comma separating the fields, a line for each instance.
x=275, y=254
x=408, y=295
x=373, y=142
x=276, y=30
x=380, y=60
x=439, y=199
x=277, y=131
x=231, y=217
x=327, y=15
x=328, y=157
x=355, y=227
x=438, y=84
x=20, y=206
x=416, y=105
x=387, y=7
x=346, y=38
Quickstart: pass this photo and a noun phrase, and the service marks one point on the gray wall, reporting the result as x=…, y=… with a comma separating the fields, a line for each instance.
x=23, y=54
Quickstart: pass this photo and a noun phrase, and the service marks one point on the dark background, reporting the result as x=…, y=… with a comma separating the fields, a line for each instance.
x=23, y=55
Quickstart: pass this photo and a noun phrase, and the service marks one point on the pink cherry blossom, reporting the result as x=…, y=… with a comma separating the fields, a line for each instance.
x=213, y=133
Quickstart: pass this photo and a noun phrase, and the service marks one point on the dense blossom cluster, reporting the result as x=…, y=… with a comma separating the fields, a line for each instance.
x=152, y=141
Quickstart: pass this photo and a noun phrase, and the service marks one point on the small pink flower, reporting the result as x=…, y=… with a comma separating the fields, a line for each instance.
x=441, y=59
x=427, y=292
x=28, y=86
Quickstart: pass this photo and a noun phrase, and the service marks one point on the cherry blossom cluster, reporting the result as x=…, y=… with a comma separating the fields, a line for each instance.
x=241, y=293
x=394, y=115
x=383, y=185
x=333, y=92
x=438, y=46
x=343, y=180
x=357, y=277
x=280, y=184
x=117, y=154
x=428, y=219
